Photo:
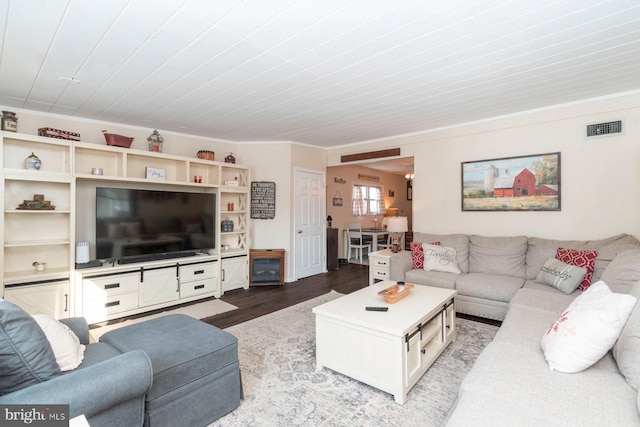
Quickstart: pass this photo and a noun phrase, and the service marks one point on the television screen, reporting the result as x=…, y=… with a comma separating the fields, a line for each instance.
x=134, y=223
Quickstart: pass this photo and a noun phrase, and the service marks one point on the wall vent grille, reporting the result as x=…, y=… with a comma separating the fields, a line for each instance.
x=601, y=129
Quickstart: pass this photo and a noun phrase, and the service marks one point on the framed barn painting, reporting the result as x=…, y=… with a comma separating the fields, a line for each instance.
x=527, y=183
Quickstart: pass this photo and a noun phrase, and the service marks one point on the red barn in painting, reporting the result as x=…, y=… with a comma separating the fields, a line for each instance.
x=547, y=190
x=521, y=184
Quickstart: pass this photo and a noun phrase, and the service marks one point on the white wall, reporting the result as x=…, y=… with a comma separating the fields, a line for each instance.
x=276, y=162
x=600, y=177
x=270, y=163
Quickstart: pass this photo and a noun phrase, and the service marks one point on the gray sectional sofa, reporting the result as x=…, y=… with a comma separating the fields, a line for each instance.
x=511, y=382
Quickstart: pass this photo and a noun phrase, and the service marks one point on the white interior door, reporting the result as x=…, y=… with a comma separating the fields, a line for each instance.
x=310, y=241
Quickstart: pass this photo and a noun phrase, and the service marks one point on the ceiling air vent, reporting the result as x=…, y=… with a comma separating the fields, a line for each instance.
x=601, y=129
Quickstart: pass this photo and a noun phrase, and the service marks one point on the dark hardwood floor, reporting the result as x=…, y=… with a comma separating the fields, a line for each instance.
x=258, y=301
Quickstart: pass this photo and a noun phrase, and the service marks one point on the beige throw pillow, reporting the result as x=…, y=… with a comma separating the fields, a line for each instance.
x=440, y=258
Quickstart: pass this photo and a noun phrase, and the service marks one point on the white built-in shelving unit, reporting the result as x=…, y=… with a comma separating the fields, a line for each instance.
x=49, y=235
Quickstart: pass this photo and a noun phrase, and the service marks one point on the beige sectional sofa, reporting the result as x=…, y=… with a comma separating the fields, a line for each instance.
x=493, y=269
x=511, y=382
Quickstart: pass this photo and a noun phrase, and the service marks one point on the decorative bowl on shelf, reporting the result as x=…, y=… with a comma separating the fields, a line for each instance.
x=396, y=292
x=206, y=155
x=117, y=140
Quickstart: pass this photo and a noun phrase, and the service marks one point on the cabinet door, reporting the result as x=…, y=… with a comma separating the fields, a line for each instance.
x=51, y=299
x=413, y=357
x=449, y=322
x=159, y=285
x=235, y=273
x=332, y=248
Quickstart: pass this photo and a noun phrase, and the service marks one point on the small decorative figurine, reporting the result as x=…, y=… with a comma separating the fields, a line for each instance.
x=33, y=162
x=9, y=121
x=38, y=203
x=155, y=142
x=230, y=158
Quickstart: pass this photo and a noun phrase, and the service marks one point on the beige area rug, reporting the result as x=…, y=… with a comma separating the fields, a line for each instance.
x=283, y=388
x=199, y=310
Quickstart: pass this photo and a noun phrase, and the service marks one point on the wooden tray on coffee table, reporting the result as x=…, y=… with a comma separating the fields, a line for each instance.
x=392, y=295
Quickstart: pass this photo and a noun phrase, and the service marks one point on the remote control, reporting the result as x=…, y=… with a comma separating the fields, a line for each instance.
x=376, y=308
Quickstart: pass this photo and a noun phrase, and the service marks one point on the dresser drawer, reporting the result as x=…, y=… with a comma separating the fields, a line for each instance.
x=197, y=287
x=380, y=262
x=380, y=273
x=100, y=287
x=379, y=266
x=98, y=310
x=198, y=272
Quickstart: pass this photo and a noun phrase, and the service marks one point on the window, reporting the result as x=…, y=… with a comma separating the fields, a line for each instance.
x=367, y=200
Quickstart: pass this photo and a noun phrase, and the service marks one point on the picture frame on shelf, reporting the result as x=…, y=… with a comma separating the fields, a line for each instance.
x=155, y=174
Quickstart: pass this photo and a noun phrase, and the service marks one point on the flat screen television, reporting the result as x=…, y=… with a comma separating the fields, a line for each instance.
x=134, y=225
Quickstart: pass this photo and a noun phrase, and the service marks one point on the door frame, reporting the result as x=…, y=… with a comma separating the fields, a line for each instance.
x=323, y=215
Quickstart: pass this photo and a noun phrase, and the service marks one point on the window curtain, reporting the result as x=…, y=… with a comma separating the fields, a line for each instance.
x=357, y=206
x=377, y=200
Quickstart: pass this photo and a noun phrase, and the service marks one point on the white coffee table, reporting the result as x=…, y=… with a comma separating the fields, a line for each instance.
x=388, y=350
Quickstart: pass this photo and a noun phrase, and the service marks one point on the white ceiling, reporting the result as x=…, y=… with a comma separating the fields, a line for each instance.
x=322, y=72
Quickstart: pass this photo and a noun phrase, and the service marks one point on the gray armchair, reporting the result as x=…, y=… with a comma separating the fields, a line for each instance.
x=108, y=387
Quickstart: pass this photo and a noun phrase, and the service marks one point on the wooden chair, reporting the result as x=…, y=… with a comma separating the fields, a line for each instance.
x=384, y=242
x=354, y=234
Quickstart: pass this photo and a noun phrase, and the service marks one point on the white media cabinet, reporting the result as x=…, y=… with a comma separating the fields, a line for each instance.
x=49, y=236
x=114, y=291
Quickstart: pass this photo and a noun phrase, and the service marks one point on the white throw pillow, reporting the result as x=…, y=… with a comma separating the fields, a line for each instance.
x=587, y=329
x=562, y=276
x=64, y=342
x=440, y=258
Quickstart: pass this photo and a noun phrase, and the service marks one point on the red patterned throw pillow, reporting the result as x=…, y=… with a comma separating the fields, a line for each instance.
x=417, y=254
x=578, y=258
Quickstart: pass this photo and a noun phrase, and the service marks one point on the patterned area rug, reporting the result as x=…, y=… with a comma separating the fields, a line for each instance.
x=282, y=387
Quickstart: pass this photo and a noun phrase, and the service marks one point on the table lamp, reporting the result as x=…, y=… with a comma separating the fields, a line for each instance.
x=396, y=225
x=329, y=220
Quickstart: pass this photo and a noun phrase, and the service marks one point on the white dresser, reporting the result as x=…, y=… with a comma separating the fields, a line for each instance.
x=379, y=266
